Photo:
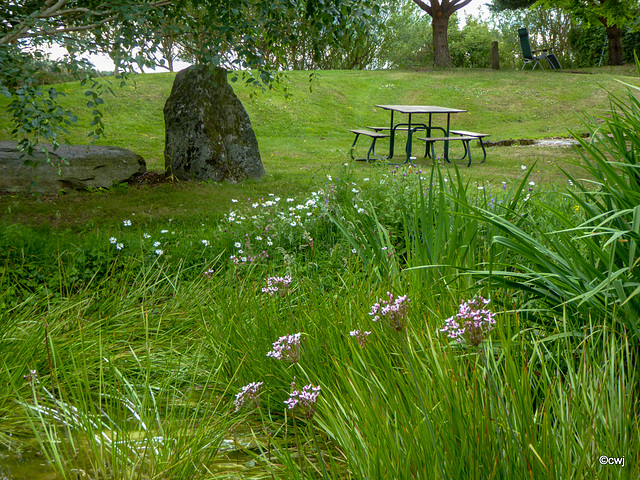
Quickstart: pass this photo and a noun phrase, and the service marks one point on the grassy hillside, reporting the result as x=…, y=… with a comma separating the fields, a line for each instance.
x=305, y=136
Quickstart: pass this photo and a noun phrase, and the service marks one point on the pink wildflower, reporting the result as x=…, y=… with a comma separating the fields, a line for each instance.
x=472, y=323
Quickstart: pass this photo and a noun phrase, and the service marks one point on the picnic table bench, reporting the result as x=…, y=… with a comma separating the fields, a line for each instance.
x=458, y=135
x=371, y=154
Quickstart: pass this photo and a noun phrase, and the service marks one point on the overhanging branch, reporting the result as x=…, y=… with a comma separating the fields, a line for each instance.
x=54, y=11
x=424, y=6
x=446, y=7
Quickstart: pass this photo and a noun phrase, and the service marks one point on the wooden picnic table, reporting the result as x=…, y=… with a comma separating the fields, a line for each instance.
x=412, y=126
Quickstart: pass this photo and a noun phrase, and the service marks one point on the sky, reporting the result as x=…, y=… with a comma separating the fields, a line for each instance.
x=475, y=8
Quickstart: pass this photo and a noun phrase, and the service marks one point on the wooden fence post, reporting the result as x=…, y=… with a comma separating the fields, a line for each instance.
x=494, y=57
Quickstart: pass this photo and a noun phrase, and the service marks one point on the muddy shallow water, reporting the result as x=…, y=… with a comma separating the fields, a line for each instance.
x=24, y=466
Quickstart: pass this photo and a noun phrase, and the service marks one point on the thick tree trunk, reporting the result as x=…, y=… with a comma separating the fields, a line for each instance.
x=614, y=37
x=440, y=23
x=440, y=11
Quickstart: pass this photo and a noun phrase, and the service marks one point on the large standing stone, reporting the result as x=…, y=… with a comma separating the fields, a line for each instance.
x=94, y=166
x=208, y=133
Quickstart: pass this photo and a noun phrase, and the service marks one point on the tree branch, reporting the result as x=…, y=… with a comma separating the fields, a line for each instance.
x=71, y=11
x=424, y=6
x=24, y=25
x=53, y=11
x=446, y=5
x=57, y=6
x=58, y=31
x=461, y=5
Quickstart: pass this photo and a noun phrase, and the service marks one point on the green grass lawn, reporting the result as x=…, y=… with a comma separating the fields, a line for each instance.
x=304, y=137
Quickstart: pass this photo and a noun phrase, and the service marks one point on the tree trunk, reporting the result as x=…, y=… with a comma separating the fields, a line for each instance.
x=440, y=23
x=166, y=49
x=614, y=38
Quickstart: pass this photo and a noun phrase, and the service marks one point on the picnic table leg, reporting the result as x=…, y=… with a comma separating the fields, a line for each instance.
x=484, y=150
x=392, y=139
x=446, y=143
x=433, y=150
x=426, y=148
x=467, y=148
x=353, y=146
x=372, y=150
x=409, y=140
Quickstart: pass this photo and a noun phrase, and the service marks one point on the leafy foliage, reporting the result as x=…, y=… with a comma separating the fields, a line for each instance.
x=407, y=42
x=469, y=46
x=587, y=42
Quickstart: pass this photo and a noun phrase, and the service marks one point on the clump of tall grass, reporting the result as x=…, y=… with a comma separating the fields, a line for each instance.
x=585, y=261
x=564, y=266
x=521, y=427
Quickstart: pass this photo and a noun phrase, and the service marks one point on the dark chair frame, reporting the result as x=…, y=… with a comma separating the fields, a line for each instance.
x=534, y=56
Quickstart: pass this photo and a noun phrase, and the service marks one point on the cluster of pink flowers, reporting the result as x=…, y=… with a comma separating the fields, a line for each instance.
x=277, y=284
x=392, y=311
x=244, y=259
x=287, y=348
x=360, y=336
x=473, y=322
x=250, y=394
x=303, y=401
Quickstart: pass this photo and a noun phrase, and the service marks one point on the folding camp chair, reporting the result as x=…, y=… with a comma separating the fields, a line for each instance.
x=535, y=56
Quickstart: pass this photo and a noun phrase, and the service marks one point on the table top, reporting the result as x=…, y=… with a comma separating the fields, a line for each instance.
x=420, y=109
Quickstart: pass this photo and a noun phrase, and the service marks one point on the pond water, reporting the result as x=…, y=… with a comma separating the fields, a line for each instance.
x=544, y=142
x=31, y=464
x=25, y=466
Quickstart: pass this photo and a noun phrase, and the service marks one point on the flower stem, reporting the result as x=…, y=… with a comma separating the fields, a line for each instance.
x=325, y=475
x=300, y=454
x=404, y=341
x=525, y=465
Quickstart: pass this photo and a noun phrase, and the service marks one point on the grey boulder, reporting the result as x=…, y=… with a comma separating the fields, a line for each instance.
x=208, y=134
x=94, y=166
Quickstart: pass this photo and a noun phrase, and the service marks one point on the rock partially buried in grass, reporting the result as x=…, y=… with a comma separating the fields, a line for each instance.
x=208, y=134
x=88, y=167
